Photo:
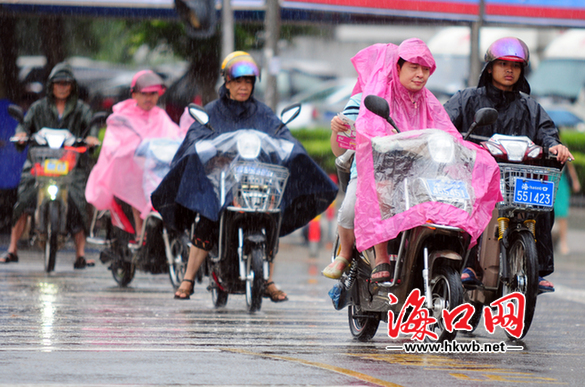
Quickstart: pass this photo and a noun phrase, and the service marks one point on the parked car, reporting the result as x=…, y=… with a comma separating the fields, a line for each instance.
x=320, y=103
x=296, y=76
x=559, y=81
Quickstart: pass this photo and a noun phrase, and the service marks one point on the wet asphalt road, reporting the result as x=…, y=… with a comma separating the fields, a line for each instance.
x=76, y=327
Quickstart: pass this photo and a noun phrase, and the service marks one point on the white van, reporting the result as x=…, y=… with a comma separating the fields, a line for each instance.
x=451, y=49
x=558, y=82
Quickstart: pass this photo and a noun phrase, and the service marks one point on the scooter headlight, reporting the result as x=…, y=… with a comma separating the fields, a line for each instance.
x=53, y=190
x=249, y=146
x=441, y=148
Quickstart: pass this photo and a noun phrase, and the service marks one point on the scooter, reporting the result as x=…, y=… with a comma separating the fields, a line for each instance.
x=159, y=250
x=507, y=250
x=429, y=258
x=250, y=183
x=54, y=153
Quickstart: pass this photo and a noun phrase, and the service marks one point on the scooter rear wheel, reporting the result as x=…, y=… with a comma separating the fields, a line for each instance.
x=180, y=256
x=362, y=325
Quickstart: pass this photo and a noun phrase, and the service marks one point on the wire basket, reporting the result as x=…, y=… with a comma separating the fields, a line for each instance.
x=508, y=175
x=259, y=186
x=49, y=162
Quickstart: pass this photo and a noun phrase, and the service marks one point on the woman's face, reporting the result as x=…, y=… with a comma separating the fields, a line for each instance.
x=240, y=89
x=146, y=101
x=413, y=76
x=505, y=74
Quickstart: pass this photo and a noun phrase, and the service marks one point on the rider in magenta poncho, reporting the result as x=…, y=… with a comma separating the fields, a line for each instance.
x=134, y=120
x=377, y=75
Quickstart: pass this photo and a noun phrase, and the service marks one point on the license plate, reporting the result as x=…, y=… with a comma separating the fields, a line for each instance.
x=253, y=170
x=56, y=167
x=448, y=189
x=534, y=192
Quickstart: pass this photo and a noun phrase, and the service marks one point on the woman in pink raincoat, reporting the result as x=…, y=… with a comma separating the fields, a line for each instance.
x=399, y=74
x=134, y=120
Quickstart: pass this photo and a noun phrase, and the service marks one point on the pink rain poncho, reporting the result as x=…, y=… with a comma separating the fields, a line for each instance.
x=117, y=173
x=377, y=75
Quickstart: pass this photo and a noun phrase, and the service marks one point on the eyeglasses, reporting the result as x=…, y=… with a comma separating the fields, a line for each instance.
x=63, y=83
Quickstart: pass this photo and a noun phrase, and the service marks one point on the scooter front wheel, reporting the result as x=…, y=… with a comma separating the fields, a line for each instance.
x=52, y=243
x=255, y=279
x=523, y=273
x=447, y=293
x=123, y=272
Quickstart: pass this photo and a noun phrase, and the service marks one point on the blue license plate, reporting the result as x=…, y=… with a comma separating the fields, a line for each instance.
x=534, y=192
x=448, y=189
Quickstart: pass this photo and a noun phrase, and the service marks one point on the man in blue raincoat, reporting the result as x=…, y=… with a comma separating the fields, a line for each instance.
x=186, y=191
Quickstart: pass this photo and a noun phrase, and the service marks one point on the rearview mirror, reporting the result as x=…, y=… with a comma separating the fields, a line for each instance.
x=485, y=116
x=16, y=112
x=198, y=113
x=290, y=112
x=379, y=106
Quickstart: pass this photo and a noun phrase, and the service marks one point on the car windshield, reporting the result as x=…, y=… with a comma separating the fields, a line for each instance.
x=558, y=77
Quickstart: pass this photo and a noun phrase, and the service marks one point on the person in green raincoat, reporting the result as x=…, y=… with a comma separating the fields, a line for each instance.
x=60, y=109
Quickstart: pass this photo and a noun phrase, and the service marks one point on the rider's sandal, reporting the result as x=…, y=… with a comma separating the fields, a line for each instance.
x=80, y=263
x=380, y=269
x=275, y=294
x=9, y=257
x=336, y=268
x=186, y=293
x=470, y=277
x=543, y=287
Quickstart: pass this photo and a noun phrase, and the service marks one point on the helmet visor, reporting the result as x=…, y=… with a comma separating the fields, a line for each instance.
x=148, y=82
x=511, y=49
x=241, y=66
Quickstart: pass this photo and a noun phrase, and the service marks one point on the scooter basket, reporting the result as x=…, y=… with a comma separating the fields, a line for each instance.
x=508, y=175
x=259, y=186
x=49, y=162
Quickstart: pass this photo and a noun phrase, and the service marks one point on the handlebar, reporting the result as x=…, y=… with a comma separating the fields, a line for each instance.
x=24, y=141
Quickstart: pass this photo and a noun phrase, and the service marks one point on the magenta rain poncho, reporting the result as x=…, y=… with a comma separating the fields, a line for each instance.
x=117, y=173
x=375, y=221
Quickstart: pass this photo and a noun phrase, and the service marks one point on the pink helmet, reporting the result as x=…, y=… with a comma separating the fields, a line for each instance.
x=147, y=81
x=510, y=49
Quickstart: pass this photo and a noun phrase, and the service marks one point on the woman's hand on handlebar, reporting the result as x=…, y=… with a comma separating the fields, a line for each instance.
x=92, y=141
x=562, y=153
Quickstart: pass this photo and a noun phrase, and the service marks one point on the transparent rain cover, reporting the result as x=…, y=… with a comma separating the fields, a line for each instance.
x=422, y=166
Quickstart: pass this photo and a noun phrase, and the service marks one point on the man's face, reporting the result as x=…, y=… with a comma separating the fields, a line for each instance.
x=62, y=89
x=240, y=89
x=413, y=76
x=146, y=101
x=505, y=74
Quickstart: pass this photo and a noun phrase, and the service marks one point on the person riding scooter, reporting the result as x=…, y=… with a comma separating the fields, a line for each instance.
x=117, y=174
x=503, y=86
x=60, y=109
x=185, y=191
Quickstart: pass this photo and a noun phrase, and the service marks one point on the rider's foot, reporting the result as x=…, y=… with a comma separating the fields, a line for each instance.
x=336, y=268
x=184, y=292
x=80, y=263
x=468, y=277
x=9, y=257
x=545, y=286
x=274, y=293
x=383, y=272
